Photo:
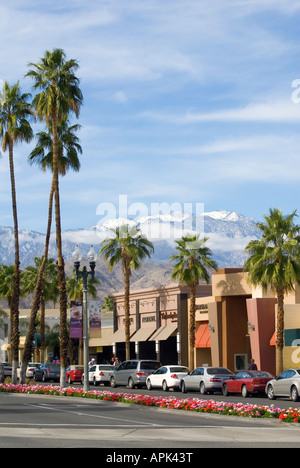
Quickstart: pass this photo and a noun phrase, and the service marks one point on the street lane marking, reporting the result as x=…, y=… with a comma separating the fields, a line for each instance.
x=54, y=408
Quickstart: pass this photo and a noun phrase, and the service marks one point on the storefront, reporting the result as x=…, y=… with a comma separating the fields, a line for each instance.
x=238, y=322
x=158, y=323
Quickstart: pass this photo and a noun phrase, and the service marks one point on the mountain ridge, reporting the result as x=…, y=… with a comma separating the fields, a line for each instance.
x=228, y=234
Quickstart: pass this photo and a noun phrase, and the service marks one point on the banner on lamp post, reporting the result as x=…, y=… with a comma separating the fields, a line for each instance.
x=95, y=315
x=76, y=319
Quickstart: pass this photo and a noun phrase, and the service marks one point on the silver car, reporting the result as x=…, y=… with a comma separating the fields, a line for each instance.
x=205, y=379
x=287, y=384
x=133, y=373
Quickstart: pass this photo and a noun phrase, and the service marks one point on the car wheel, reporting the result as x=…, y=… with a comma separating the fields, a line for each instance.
x=69, y=380
x=225, y=390
x=294, y=394
x=95, y=383
x=148, y=385
x=112, y=382
x=165, y=386
x=183, y=387
x=44, y=378
x=270, y=393
x=130, y=383
x=245, y=392
x=202, y=388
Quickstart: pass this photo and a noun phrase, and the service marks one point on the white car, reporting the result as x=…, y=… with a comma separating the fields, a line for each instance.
x=100, y=373
x=29, y=371
x=167, y=377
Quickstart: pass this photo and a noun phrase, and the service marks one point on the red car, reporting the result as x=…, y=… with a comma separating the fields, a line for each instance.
x=247, y=383
x=74, y=374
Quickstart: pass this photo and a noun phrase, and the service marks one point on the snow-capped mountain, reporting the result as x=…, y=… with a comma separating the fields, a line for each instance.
x=228, y=234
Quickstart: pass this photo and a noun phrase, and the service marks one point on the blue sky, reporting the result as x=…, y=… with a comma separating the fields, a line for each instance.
x=184, y=102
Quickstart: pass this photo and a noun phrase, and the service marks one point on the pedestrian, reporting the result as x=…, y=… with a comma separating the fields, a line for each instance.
x=252, y=365
x=92, y=362
x=116, y=363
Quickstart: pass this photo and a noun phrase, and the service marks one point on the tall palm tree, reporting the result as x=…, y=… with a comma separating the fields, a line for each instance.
x=59, y=95
x=42, y=155
x=129, y=247
x=15, y=113
x=274, y=261
x=191, y=266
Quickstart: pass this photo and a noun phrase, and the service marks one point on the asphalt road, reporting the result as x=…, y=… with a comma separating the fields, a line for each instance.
x=37, y=421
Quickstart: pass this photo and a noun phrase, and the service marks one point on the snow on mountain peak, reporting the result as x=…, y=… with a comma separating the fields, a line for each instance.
x=223, y=215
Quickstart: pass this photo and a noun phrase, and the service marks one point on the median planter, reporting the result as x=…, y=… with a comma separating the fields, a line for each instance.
x=292, y=415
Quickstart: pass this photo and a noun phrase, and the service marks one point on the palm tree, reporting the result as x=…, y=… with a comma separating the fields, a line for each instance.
x=129, y=247
x=274, y=261
x=59, y=95
x=42, y=155
x=191, y=264
x=68, y=148
x=15, y=112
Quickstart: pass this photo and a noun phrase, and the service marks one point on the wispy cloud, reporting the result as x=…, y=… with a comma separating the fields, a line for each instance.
x=278, y=111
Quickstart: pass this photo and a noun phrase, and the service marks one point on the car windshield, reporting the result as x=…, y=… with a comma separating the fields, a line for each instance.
x=218, y=370
x=259, y=374
x=106, y=367
x=150, y=365
x=179, y=369
x=54, y=366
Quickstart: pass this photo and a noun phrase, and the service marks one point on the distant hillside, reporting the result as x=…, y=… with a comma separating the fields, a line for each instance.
x=228, y=234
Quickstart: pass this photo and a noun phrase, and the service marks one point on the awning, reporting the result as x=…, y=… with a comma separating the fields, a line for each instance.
x=119, y=336
x=104, y=340
x=143, y=334
x=163, y=333
x=202, y=337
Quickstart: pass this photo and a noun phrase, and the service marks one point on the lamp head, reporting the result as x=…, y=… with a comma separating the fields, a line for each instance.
x=76, y=255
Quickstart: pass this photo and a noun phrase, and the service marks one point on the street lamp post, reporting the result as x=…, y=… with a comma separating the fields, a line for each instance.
x=84, y=273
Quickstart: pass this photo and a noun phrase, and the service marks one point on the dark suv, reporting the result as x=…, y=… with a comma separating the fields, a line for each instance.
x=133, y=373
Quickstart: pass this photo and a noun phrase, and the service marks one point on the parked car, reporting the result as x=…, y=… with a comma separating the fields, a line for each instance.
x=100, y=373
x=206, y=379
x=247, y=383
x=47, y=371
x=29, y=371
x=133, y=373
x=167, y=377
x=7, y=368
x=287, y=384
x=74, y=374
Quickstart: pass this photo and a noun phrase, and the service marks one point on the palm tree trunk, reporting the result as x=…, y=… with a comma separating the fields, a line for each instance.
x=37, y=295
x=63, y=301
x=126, y=272
x=14, y=306
x=43, y=340
x=280, y=331
x=192, y=325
